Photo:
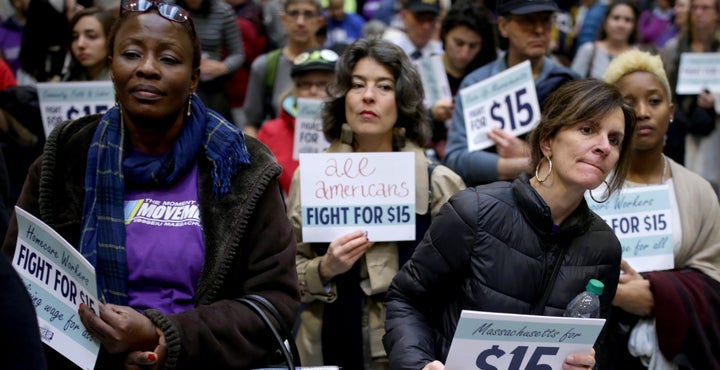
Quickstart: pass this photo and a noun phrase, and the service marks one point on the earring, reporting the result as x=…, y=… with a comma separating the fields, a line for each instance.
x=606, y=191
x=537, y=170
x=189, y=106
x=398, y=138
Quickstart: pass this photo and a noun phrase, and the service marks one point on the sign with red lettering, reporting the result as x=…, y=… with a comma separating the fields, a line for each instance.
x=344, y=192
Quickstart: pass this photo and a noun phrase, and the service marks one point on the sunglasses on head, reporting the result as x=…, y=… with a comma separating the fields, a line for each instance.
x=168, y=11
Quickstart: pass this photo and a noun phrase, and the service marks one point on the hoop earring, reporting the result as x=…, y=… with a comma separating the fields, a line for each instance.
x=606, y=191
x=537, y=170
x=189, y=106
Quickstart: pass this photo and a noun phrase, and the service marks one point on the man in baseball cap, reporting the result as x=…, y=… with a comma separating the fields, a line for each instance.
x=419, y=18
x=526, y=27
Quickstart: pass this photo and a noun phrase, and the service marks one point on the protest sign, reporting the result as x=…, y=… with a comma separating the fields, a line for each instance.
x=344, y=192
x=507, y=100
x=642, y=219
x=309, y=136
x=58, y=279
x=434, y=79
x=698, y=72
x=492, y=341
x=62, y=101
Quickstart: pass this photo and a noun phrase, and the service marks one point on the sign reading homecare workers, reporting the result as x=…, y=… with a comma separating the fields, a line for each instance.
x=344, y=192
x=62, y=101
x=309, y=136
x=58, y=279
x=642, y=220
x=492, y=341
x=507, y=101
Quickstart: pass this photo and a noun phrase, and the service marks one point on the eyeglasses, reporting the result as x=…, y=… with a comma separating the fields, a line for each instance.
x=316, y=56
x=295, y=14
x=308, y=85
x=168, y=11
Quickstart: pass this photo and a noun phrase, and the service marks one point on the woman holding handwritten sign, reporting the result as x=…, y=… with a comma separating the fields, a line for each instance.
x=680, y=308
x=205, y=221
x=523, y=247
x=376, y=105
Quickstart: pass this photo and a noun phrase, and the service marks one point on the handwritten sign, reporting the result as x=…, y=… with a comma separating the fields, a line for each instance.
x=698, y=72
x=507, y=101
x=434, y=79
x=492, y=341
x=58, y=279
x=62, y=101
x=344, y=192
x=309, y=136
x=642, y=219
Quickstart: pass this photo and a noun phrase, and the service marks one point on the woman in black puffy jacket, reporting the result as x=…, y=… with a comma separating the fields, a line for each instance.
x=500, y=247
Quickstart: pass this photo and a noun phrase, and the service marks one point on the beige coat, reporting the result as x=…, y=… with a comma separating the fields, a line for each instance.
x=379, y=265
x=700, y=221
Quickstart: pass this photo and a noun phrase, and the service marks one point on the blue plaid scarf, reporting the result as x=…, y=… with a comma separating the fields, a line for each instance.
x=109, y=167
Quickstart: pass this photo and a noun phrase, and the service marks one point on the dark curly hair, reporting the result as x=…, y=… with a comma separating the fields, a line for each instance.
x=473, y=15
x=409, y=95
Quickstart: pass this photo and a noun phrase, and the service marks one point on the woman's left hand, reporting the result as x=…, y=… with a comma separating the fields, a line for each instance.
x=633, y=292
x=120, y=328
x=507, y=145
x=137, y=360
x=580, y=361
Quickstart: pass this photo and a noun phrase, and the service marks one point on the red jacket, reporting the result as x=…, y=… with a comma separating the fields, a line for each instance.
x=278, y=134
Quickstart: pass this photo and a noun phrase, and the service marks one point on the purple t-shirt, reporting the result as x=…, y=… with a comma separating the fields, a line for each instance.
x=164, y=245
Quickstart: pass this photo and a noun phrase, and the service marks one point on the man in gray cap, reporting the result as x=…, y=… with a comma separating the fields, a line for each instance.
x=526, y=26
x=419, y=18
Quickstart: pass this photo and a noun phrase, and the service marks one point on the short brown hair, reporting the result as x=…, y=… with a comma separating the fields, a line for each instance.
x=583, y=101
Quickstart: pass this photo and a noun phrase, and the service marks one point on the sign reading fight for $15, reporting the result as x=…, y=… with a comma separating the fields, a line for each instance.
x=344, y=192
x=62, y=101
x=507, y=101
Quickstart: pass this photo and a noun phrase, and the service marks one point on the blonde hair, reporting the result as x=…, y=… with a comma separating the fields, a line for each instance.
x=637, y=61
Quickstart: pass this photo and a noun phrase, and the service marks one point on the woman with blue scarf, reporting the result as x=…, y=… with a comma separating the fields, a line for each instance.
x=178, y=212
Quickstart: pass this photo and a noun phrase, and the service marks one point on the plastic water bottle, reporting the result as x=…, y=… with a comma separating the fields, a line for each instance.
x=587, y=303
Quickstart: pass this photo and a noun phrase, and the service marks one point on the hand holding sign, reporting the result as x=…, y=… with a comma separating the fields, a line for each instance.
x=120, y=328
x=342, y=254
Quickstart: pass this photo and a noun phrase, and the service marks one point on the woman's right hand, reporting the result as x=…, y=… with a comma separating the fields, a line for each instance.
x=435, y=365
x=342, y=253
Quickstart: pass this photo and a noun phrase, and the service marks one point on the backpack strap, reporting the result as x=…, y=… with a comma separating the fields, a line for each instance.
x=273, y=59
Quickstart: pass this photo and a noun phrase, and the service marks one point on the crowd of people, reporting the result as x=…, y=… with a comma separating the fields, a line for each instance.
x=207, y=97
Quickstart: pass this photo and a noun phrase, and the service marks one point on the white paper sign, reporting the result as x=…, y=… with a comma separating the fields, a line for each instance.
x=309, y=136
x=62, y=101
x=507, y=101
x=344, y=192
x=434, y=79
x=492, y=341
x=642, y=219
x=698, y=72
x=58, y=279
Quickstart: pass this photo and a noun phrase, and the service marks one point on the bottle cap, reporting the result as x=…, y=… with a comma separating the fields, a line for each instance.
x=595, y=286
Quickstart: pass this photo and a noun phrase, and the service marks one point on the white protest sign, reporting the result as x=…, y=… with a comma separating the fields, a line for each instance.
x=698, y=72
x=58, y=279
x=492, y=341
x=434, y=79
x=309, y=136
x=642, y=220
x=62, y=101
x=507, y=101
x=344, y=192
